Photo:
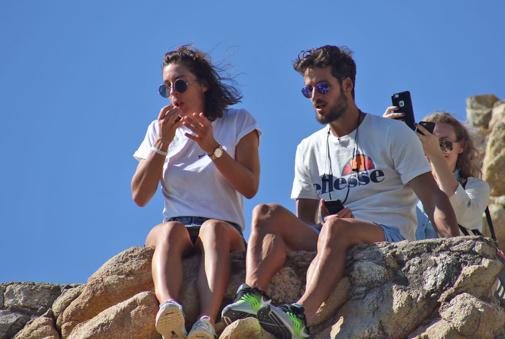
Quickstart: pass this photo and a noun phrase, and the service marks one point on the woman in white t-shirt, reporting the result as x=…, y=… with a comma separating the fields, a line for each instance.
x=452, y=156
x=205, y=155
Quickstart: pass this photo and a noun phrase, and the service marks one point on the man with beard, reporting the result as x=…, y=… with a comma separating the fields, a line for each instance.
x=372, y=165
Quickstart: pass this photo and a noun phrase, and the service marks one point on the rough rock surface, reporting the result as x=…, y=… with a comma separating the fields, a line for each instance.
x=41, y=327
x=31, y=296
x=120, y=278
x=11, y=322
x=498, y=113
x=494, y=161
x=21, y=302
x=479, y=108
x=132, y=318
x=245, y=328
x=391, y=290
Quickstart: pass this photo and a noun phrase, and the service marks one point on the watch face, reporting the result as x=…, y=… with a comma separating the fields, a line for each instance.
x=218, y=152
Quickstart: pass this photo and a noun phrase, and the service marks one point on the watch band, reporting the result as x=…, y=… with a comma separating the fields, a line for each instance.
x=217, y=153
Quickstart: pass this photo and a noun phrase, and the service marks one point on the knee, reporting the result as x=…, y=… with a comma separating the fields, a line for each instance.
x=212, y=230
x=169, y=233
x=265, y=216
x=334, y=232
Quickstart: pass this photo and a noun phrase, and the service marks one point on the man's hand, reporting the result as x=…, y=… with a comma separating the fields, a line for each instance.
x=343, y=213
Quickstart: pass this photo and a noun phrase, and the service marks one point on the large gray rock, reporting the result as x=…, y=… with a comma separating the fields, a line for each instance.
x=2, y=290
x=29, y=296
x=11, y=323
x=24, y=301
x=395, y=288
x=473, y=318
x=390, y=290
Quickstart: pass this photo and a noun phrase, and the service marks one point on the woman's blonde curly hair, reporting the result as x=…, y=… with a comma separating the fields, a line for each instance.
x=467, y=162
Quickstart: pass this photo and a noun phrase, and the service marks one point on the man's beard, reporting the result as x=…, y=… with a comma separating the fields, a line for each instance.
x=335, y=113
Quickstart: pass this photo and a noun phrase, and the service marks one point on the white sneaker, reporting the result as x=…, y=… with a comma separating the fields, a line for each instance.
x=170, y=320
x=202, y=329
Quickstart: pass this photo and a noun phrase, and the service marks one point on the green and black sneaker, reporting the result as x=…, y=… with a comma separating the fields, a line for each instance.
x=248, y=301
x=284, y=322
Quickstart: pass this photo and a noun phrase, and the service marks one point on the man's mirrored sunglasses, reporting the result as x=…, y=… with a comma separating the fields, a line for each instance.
x=321, y=87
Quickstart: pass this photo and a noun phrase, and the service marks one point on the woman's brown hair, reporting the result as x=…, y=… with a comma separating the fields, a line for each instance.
x=218, y=95
x=467, y=162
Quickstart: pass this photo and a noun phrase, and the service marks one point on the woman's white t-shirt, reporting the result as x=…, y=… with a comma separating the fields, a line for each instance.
x=191, y=184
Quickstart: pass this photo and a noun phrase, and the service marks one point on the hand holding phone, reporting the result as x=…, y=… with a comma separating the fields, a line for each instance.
x=430, y=126
x=403, y=101
x=333, y=206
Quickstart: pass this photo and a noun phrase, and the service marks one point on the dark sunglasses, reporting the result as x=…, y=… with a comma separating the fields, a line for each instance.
x=321, y=87
x=179, y=86
x=445, y=145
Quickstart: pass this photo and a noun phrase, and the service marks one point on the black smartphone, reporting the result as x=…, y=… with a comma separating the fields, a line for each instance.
x=333, y=206
x=430, y=126
x=403, y=101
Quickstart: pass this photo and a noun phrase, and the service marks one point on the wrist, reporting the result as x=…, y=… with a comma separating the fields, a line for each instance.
x=210, y=150
x=161, y=145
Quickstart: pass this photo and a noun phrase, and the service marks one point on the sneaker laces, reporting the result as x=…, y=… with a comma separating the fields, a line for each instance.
x=296, y=314
x=248, y=290
x=250, y=295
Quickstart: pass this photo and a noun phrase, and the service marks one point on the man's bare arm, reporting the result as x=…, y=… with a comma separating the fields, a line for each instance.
x=306, y=210
x=435, y=204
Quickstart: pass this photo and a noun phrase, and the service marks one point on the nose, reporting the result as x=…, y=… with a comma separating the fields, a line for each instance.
x=172, y=93
x=314, y=94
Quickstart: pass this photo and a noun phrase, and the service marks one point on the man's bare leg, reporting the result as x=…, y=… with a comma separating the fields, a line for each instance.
x=274, y=231
x=337, y=237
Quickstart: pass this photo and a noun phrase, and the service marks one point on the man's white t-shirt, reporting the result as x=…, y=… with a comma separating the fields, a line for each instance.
x=371, y=165
x=191, y=184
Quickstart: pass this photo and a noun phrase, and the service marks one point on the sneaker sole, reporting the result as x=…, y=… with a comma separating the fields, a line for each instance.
x=273, y=324
x=170, y=324
x=230, y=316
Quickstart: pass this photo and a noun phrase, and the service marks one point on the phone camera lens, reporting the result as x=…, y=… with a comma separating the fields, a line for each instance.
x=402, y=103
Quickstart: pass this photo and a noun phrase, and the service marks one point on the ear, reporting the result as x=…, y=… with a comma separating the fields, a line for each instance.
x=347, y=85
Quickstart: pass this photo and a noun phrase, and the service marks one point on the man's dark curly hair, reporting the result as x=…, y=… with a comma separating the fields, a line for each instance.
x=338, y=58
x=218, y=95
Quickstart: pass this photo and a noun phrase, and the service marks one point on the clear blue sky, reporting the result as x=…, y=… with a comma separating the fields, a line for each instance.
x=78, y=87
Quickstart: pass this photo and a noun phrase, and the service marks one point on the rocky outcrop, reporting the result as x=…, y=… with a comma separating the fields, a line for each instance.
x=439, y=288
x=391, y=290
x=479, y=109
x=22, y=302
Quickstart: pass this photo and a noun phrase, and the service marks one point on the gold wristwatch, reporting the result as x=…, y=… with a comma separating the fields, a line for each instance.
x=217, y=153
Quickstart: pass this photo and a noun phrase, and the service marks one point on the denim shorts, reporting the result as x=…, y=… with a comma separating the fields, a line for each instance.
x=193, y=225
x=391, y=233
